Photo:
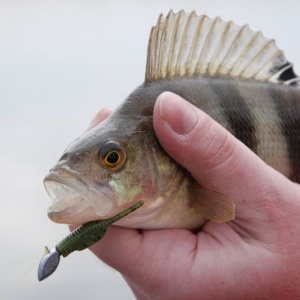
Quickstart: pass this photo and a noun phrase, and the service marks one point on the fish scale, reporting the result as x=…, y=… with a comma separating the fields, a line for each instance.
x=288, y=109
x=237, y=113
x=265, y=122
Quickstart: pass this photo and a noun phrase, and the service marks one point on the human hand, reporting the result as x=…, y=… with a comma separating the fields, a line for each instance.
x=255, y=256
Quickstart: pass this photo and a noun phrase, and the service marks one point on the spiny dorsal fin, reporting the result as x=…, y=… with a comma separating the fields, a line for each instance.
x=185, y=44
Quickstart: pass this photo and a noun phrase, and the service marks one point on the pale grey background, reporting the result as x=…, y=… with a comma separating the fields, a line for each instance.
x=60, y=61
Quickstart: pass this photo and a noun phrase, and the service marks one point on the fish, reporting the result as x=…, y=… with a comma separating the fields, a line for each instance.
x=236, y=75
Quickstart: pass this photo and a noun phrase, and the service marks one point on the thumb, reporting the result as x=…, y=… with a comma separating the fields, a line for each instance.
x=215, y=158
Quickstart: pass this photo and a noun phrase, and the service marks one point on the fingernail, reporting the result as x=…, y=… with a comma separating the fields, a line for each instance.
x=178, y=113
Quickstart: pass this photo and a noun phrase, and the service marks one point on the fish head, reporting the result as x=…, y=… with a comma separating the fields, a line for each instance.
x=105, y=171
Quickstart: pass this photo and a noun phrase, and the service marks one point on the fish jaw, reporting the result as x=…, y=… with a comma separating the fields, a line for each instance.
x=77, y=201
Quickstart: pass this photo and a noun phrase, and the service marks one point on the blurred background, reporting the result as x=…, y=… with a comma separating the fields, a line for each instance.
x=60, y=62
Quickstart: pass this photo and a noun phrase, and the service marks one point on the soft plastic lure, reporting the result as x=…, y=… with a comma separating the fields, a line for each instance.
x=79, y=239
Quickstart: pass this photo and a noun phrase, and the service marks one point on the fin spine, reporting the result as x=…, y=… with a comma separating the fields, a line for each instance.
x=187, y=45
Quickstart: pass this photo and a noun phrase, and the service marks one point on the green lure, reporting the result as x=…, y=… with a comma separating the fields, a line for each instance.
x=81, y=238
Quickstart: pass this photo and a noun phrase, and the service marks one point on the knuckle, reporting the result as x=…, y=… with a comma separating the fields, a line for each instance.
x=217, y=145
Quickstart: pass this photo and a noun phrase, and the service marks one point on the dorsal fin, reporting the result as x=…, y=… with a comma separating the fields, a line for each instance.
x=184, y=44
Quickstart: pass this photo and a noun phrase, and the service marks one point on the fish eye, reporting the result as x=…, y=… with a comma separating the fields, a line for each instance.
x=112, y=155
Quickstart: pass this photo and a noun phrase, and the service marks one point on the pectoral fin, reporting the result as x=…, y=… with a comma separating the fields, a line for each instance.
x=213, y=206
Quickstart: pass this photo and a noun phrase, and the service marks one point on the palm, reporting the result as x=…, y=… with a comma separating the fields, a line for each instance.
x=216, y=262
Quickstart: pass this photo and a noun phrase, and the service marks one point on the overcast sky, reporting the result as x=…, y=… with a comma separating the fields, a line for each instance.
x=60, y=61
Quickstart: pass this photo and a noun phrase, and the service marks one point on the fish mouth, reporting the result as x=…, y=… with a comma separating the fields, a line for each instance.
x=75, y=200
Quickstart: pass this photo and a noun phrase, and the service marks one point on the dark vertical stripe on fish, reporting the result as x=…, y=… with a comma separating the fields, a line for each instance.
x=288, y=107
x=237, y=113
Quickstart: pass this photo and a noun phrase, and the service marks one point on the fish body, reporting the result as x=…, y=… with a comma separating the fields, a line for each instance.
x=237, y=76
x=264, y=116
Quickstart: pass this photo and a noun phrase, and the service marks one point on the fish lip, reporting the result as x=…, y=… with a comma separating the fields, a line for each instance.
x=54, y=175
x=87, y=194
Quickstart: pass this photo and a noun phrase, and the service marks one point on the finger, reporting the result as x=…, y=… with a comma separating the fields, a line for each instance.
x=215, y=158
x=112, y=250
x=100, y=116
x=138, y=254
